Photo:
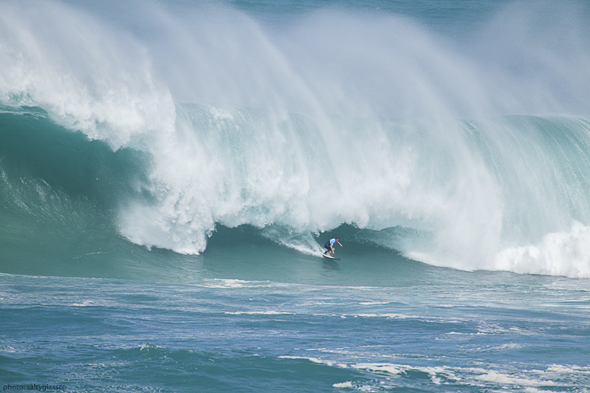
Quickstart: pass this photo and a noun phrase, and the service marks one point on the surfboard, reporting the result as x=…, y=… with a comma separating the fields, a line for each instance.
x=330, y=257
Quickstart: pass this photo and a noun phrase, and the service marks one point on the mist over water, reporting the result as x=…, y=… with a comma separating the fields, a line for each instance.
x=476, y=141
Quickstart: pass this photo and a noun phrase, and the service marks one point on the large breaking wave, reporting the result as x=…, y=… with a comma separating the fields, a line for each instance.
x=467, y=152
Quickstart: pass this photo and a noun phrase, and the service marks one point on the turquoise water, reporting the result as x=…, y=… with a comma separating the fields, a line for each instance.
x=170, y=170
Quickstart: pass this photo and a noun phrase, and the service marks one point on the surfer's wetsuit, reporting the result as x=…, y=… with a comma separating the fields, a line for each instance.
x=328, y=245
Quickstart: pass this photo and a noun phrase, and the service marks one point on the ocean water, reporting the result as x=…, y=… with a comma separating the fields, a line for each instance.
x=169, y=172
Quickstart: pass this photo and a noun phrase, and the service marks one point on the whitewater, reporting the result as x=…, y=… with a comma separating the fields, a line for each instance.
x=170, y=171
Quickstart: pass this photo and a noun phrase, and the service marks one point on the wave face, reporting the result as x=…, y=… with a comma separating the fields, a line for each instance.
x=127, y=125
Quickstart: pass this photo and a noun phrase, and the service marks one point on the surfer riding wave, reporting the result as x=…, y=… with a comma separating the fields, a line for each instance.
x=329, y=246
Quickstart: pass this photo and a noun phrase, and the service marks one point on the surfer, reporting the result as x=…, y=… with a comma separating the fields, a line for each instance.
x=329, y=246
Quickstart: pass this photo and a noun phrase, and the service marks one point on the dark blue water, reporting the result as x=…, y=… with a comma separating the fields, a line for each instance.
x=216, y=335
